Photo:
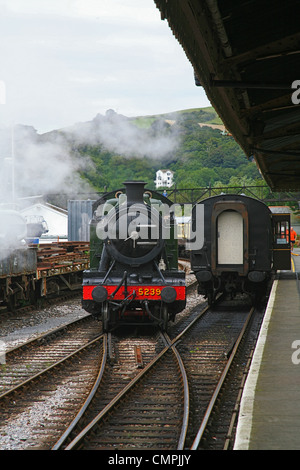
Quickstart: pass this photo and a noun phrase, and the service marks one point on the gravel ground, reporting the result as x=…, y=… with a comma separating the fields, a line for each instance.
x=15, y=329
x=18, y=328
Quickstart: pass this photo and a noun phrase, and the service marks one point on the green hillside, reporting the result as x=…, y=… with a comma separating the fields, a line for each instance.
x=202, y=115
x=124, y=148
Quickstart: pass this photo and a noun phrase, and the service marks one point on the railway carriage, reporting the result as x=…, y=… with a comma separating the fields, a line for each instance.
x=244, y=243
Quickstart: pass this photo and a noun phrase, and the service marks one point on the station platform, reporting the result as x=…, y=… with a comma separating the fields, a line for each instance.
x=269, y=417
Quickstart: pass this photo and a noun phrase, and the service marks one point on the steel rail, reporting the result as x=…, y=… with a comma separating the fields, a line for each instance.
x=213, y=400
x=134, y=381
x=38, y=339
x=186, y=396
x=48, y=369
x=38, y=342
x=116, y=399
x=87, y=402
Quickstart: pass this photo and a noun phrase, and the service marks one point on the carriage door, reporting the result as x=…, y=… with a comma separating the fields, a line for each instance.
x=229, y=242
x=281, y=241
x=230, y=238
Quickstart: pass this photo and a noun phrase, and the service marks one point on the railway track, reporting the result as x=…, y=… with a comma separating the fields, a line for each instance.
x=147, y=413
x=35, y=357
x=169, y=403
x=133, y=390
x=44, y=381
x=219, y=378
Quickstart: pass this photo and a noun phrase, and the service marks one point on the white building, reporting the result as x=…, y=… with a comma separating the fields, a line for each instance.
x=55, y=218
x=164, y=178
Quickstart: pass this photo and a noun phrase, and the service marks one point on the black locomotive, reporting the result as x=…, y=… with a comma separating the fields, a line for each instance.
x=133, y=275
x=243, y=243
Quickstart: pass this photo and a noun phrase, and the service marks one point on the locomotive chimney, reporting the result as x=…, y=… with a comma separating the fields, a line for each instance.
x=135, y=191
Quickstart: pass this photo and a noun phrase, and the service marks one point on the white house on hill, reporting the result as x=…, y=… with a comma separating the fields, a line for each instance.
x=164, y=178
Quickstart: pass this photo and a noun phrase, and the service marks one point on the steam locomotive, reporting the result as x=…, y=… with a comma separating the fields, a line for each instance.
x=133, y=276
x=243, y=244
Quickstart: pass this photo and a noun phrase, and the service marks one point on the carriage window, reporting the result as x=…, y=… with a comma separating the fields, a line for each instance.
x=281, y=241
x=282, y=232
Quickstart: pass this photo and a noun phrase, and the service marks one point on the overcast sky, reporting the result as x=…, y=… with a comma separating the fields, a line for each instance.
x=64, y=61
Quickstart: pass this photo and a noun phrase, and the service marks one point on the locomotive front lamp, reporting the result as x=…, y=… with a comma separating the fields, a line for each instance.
x=99, y=294
x=168, y=294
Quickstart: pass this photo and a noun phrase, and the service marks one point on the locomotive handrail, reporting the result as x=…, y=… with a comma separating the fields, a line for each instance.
x=119, y=285
x=108, y=271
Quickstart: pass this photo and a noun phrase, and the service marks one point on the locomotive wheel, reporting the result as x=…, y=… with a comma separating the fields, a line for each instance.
x=105, y=317
x=210, y=297
x=165, y=317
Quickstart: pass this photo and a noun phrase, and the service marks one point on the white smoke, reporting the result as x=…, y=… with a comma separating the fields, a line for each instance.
x=34, y=165
x=120, y=134
x=31, y=166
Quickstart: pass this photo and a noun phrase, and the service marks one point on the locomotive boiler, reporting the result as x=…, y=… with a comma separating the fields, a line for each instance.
x=244, y=243
x=133, y=275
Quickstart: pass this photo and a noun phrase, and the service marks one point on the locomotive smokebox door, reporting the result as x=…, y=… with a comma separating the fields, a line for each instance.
x=281, y=241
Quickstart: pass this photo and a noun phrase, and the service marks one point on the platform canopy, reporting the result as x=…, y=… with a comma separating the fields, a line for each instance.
x=246, y=55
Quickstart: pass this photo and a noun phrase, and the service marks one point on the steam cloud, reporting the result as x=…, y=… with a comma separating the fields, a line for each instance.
x=33, y=164
x=119, y=134
x=49, y=163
